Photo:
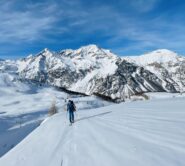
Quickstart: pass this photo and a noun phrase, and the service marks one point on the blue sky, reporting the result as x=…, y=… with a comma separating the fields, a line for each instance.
x=126, y=27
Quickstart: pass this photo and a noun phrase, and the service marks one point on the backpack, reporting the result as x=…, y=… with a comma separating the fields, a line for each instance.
x=72, y=106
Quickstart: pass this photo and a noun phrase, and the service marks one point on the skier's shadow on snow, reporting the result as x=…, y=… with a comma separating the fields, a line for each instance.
x=92, y=116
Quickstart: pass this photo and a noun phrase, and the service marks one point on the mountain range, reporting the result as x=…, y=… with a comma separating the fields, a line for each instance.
x=91, y=70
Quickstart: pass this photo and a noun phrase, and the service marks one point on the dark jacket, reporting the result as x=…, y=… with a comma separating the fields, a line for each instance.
x=71, y=106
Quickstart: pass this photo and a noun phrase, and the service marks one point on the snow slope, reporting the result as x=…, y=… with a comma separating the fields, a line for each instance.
x=146, y=133
x=23, y=107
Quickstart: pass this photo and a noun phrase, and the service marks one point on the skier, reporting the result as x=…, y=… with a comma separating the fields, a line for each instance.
x=71, y=108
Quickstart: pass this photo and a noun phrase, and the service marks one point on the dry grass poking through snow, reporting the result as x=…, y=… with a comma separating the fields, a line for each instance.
x=53, y=109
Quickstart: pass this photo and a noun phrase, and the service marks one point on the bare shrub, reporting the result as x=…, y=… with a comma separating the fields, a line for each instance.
x=53, y=109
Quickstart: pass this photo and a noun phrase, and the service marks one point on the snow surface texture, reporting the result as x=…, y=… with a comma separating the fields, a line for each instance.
x=137, y=133
x=93, y=70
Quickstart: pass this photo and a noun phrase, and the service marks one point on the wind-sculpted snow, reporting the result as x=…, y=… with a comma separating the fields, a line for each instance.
x=93, y=70
x=146, y=133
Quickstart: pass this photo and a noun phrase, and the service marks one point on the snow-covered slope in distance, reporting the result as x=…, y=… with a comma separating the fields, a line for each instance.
x=139, y=133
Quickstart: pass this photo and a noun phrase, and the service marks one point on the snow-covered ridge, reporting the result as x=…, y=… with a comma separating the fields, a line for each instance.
x=159, y=56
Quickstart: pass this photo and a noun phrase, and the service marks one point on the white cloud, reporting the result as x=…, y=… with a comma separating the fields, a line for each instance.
x=25, y=24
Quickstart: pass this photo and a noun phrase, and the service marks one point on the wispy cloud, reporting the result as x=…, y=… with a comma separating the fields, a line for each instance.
x=125, y=26
x=27, y=24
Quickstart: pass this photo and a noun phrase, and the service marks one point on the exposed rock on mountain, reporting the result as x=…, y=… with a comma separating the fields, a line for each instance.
x=93, y=70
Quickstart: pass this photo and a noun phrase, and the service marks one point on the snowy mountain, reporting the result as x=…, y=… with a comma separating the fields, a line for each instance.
x=92, y=70
x=167, y=65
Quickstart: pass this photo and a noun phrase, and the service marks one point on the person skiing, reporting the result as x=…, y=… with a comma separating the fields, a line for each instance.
x=71, y=108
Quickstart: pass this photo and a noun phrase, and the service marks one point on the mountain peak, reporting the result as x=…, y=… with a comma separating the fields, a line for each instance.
x=159, y=56
x=164, y=52
x=45, y=52
x=90, y=48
